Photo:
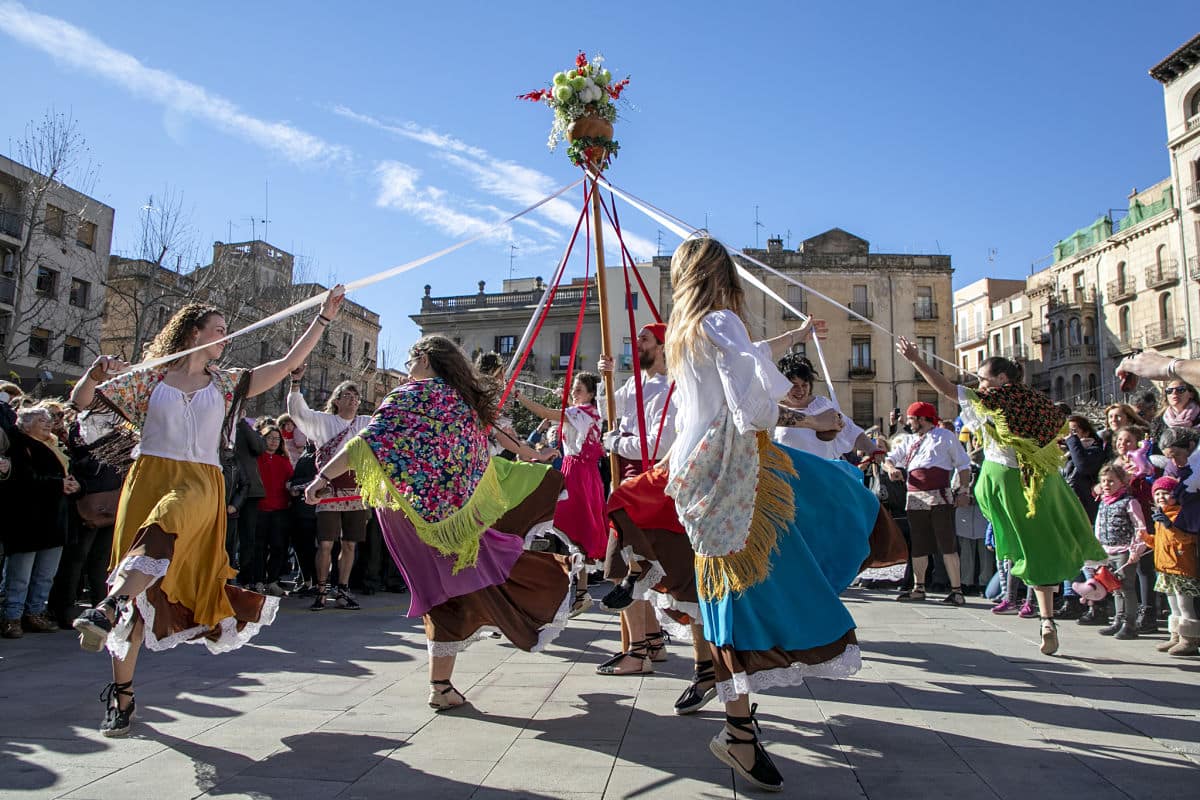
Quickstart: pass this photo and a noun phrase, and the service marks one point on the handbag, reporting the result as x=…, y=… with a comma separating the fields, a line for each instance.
x=98, y=509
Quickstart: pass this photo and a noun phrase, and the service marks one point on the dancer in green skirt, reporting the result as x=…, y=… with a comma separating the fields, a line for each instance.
x=1040, y=524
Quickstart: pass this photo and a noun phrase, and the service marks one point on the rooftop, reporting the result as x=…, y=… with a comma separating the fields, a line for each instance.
x=1184, y=58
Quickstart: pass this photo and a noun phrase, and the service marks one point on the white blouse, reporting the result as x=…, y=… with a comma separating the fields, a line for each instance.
x=654, y=395
x=751, y=385
x=182, y=427
x=318, y=425
x=577, y=424
x=992, y=450
x=806, y=439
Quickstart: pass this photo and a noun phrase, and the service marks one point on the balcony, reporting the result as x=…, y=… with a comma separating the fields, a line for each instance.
x=1191, y=195
x=1075, y=302
x=1074, y=353
x=1017, y=353
x=10, y=223
x=1163, y=274
x=1192, y=123
x=799, y=305
x=969, y=336
x=1165, y=333
x=1195, y=350
x=8, y=290
x=861, y=308
x=1122, y=345
x=925, y=310
x=1194, y=267
x=560, y=363
x=1121, y=290
x=860, y=368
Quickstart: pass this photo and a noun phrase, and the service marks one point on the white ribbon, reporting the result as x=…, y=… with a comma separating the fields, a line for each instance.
x=357, y=284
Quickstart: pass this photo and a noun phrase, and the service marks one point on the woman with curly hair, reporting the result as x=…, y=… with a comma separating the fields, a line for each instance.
x=454, y=517
x=170, y=580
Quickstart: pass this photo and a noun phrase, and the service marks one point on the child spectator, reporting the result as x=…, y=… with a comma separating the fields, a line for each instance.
x=1175, y=558
x=1120, y=524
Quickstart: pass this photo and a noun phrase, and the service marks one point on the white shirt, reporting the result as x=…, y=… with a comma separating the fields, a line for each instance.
x=654, y=394
x=750, y=384
x=806, y=439
x=318, y=425
x=182, y=427
x=938, y=448
x=577, y=424
x=992, y=450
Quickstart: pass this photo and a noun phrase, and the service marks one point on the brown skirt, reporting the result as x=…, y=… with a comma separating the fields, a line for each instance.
x=887, y=543
x=667, y=565
x=530, y=608
x=742, y=672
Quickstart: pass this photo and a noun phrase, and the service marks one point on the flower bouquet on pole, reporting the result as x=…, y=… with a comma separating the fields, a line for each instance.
x=582, y=100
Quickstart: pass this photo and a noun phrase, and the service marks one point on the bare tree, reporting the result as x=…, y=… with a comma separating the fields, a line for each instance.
x=59, y=170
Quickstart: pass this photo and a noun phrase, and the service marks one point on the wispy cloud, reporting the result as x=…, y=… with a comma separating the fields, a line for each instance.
x=400, y=188
x=75, y=47
x=500, y=178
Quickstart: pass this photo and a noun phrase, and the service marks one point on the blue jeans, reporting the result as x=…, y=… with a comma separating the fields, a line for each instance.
x=27, y=581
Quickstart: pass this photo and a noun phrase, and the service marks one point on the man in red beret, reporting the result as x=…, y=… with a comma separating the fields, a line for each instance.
x=930, y=456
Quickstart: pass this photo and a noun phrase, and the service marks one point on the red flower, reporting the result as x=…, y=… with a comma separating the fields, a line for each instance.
x=614, y=91
x=536, y=96
x=580, y=60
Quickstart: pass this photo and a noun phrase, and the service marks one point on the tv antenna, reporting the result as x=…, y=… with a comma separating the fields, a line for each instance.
x=659, y=242
x=992, y=253
x=512, y=257
x=757, y=225
x=789, y=238
x=266, y=220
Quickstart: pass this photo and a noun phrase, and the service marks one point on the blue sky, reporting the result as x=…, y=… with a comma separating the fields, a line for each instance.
x=389, y=131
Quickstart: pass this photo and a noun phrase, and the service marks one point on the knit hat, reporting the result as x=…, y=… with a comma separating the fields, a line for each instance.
x=1166, y=484
x=925, y=410
x=658, y=330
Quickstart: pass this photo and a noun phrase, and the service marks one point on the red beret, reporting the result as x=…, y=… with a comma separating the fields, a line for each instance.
x=658, y=330
x=1166, y=483
x=925, y=410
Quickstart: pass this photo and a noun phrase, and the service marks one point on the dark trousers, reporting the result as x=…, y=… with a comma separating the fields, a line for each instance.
x=271, y=545
x=250, y=570
x=303, y=532
x=84, y=562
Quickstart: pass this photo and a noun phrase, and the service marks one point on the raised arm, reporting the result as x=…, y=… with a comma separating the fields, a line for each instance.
x=102, y=368
x=537, y=409
x=1155, y=366
x=943, y=385
x=785, y=341
x=267, y=375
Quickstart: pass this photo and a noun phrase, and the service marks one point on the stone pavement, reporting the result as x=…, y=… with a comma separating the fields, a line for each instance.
x=950, y=703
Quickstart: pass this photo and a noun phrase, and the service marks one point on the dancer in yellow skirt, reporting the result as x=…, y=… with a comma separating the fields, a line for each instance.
x=170, y=572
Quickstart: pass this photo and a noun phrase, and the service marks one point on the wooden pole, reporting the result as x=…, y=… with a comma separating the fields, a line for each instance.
x=605, y=341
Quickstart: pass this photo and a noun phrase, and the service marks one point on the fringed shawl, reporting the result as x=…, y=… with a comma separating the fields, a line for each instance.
x=1027, y=421
x=424, y=453
x=733, y=503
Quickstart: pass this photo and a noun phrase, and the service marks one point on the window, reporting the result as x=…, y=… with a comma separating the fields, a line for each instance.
x=928, y=347
x=924, y=306
x=5, y=321
x=39, y=343
x=626, y=354
x=796, y=299
x=73, y=350
x=47, y=282
x=85, y=234
x=1074, y=334
x=862, y=404
x=859, y=305
x=1059, y=388
x=860, y=352
x=1164, y=307
x=566, y=343
x=632, y=297
x=1089, y=330
x=928, y=396
x=505, y=345
x=366, y=353
x=1093, y=389
x=56, y=220
x=1122, y=279
x=995, y=343
x=1016, y=341
x=80, y=290
x=1123, y=323
x=800, y=349
x=347, y=346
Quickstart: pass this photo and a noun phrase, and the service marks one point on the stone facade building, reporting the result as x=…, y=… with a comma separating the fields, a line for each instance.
x=248, y=281
x=986, y=322
x=906, y=293
x=54, y=246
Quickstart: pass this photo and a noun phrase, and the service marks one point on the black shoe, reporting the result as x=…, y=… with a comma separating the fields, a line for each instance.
x=955, y=598
x=762, y=773
x=621, y=595
x=345, y=600
x=1093, y=616
x=116, y=720
x=318, y=603
x=1114, y=628
x=1070, y=608
x=94, y=626
x=1147, y=620
x=694, y=698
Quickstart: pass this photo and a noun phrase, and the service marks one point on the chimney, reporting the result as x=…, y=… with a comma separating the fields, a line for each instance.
x=774, y=245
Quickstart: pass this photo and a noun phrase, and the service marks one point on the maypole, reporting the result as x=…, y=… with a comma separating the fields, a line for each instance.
x=582, y=100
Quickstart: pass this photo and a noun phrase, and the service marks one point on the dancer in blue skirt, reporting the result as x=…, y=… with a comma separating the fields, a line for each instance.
x=778, y=533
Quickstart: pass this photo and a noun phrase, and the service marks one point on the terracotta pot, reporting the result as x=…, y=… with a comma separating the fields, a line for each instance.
x=590, y=127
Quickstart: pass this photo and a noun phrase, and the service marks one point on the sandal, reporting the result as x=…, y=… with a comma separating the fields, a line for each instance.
x=694, y=697
x=116, y=719
x=621, y=595
x=762, y=773
x=639, y=651
x=94, y=625
x=955, y=598
x=913, y=595
x=657, y=648
x=439, y=699
x=583, y=601
x=1049, y=637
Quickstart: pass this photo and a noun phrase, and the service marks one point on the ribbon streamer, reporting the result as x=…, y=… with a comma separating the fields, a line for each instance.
x=357, y=284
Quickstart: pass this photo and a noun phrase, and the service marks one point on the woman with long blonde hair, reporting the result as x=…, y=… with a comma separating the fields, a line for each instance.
x=769, y=565
x=170, y=572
